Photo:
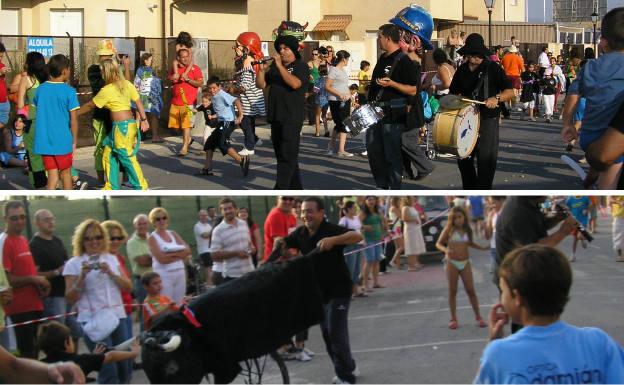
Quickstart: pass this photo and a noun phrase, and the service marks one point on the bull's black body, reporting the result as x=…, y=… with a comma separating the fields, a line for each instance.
x=242, y=319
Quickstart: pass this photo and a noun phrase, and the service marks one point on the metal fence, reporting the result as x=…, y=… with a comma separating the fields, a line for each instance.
x=182, y=210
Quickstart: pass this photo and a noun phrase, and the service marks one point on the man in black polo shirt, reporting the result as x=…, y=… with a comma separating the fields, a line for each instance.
x=606, y=150
x=333, y=276
x=383, y=141
x=522, y=223
x=288, y=77
x=469, y=81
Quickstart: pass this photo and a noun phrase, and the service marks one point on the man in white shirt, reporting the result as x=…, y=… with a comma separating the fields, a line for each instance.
x=543, y=61
x=231, y=243
x=203, y=230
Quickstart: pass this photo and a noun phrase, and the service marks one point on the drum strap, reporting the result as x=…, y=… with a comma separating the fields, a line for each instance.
x=483, y=82
x=394, y=64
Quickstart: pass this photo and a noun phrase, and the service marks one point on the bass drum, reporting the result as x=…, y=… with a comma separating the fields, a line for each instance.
x=456, y=132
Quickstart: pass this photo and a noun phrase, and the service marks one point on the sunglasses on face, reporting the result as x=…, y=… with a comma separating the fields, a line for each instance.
x=116, y=238
x=158, y=219
x=15, y=218
x=95, y=238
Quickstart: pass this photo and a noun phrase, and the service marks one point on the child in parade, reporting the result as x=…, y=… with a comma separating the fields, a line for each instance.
x=57, y=123
x=121, y=144
x=223, y=103
x=529, y=79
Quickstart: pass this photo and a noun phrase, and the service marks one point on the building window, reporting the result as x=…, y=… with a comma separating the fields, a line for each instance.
x=116, y=23
x=63, y=21
x=9, y=21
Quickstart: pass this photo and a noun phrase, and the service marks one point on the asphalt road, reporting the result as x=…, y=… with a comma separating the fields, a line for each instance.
x=529, y=159
x=399, y=334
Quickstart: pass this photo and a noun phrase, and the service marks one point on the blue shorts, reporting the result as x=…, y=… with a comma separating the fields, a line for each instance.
x=373, y=254
x=5, y=108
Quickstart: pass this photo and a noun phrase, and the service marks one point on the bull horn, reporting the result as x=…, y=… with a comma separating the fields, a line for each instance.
x=172, y=344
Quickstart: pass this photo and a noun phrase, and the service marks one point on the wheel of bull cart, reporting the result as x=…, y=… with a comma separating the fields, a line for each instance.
x=268, y=369
x=432, y=154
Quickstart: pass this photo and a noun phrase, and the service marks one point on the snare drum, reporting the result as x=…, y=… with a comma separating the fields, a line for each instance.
x=456, y=131
x=363, y=118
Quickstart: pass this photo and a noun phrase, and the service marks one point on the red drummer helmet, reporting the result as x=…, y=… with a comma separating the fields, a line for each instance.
x=252, y=42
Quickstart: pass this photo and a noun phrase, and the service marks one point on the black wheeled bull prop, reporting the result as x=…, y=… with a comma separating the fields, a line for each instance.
x=242, y=319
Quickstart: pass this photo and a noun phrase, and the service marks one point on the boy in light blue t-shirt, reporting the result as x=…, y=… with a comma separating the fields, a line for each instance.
x=223, y=104
x=57, y=123
x=535, y=285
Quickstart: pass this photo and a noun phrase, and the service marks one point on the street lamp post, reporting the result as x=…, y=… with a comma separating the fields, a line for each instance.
x=594, y=18
x=489, y=4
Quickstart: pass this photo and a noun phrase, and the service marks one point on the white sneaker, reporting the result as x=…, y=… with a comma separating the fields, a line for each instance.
x=309, y=352
x=246, y=152
x=337, y=380
x=331, y=152
x=303, y=356
x=356, y=371
x=344, y=154
x=364, y=153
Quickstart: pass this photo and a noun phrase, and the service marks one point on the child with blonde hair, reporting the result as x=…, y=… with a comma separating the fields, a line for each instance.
x=121, y=144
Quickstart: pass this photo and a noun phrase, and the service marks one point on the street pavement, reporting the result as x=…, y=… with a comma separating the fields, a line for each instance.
x=529, y=159
x=399, y=334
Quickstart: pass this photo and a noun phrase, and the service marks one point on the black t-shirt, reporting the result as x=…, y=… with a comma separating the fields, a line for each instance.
x=286, y=105
x=405, y=72
x=331, y=269
x=96, y=81
x=519, y=223
x=618, y=121
x=87, y=362
x=465, y=81
x=549, y=86
x=207, y=111
x=50, y=255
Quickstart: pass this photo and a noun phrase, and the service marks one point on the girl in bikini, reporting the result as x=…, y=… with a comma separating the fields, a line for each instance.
x=454, y=241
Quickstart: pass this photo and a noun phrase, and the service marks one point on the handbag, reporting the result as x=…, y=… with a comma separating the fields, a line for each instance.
x=101, y=325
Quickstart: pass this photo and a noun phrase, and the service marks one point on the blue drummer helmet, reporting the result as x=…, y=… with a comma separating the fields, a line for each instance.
x=417, y=20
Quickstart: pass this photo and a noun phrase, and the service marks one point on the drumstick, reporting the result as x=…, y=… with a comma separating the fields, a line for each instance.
x=472, y=101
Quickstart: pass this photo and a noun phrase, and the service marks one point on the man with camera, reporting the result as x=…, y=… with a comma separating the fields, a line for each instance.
x=521, y=223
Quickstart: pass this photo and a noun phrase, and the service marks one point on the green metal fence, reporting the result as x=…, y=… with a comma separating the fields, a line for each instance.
x=182, y=211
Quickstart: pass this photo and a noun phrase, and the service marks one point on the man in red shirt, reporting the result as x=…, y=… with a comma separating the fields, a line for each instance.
x=5, y=106
x=183, y=96
x=279, y=223
x=28, y=287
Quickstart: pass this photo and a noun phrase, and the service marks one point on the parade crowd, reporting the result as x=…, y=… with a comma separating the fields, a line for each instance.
x=42, y=136
x=375, y=236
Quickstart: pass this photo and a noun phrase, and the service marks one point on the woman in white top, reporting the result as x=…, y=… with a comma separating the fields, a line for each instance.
x=169, y=253
x=394, y=215
x=339, y=96
x=93, y=282
x=561, y=80
x=353, y=253
x=441, y=82
x=412, y=233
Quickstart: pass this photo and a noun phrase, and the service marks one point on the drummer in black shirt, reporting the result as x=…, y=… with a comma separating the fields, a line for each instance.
x=383, y=141
x=331, y=270
x=467, y=82
x=288, y=77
